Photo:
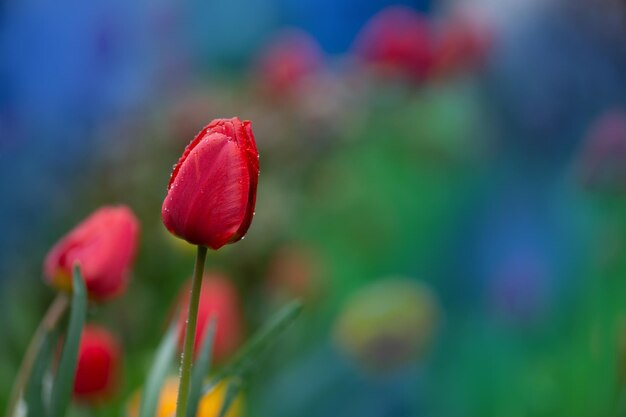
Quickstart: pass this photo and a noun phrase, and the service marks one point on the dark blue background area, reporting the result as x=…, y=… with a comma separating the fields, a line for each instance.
x=67, y=68
x=335, y=23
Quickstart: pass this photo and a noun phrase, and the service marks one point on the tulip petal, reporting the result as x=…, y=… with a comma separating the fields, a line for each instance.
x=212, y=190
x=104, y=244
x=209, y=195
x=252, y=159
x=98, y=364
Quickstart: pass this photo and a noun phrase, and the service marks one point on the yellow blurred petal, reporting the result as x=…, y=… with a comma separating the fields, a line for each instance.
x=209, y=405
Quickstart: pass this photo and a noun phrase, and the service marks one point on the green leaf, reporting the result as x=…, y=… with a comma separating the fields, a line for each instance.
x=200, y=370
x=33, y=391
x=246, y=358
x=158, y=371
x=64, y=380
x=232, y=390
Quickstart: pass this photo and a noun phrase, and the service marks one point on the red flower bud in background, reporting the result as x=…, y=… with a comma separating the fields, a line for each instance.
x=211, y=194
x=295, y=271
x=98, y=364
x=288, y=62
x=463, y=43
x=104, y=245
x=219, y=299
x=188, y=113
x=397, y=41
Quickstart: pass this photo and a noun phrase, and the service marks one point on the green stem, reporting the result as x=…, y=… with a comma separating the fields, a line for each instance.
x=48, y=322
x=190, y=333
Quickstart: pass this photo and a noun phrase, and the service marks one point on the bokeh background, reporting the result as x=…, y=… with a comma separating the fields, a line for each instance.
x=452, y=171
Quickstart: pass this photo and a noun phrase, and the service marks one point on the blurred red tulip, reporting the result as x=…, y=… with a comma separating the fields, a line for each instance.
x=289, y=62
x=104, y=244
x=397, y=41
x=212, y=192
x=462, y=44
x=98, y=364
x=219, y=299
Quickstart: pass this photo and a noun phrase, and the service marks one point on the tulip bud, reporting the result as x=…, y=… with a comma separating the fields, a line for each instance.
x=387, y=323
x=219, y=299
x=397, y=41
x=289, y=62
x=98, y=364
x=209, y=406
x=211, y=194
x=104, y=245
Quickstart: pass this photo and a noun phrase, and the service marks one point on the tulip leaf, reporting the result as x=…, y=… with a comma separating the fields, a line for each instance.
x=33, y=391
x=201, y=369
x=158, y=371
x=234, y=386
x=64, y=379
x=246, y=358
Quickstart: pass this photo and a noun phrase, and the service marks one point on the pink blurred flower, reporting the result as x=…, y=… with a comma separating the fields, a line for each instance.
x=288, y=62
x=104, y=245
x=397, y=41
x=219, y=299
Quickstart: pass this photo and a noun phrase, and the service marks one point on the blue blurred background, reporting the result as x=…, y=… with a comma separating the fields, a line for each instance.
x=476, y=149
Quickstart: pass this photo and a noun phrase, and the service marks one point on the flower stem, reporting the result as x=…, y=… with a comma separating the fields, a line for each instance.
x=190, y=333
x=48, y=322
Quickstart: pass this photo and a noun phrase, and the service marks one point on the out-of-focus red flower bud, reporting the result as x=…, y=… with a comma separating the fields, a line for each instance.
x=288, y=62
x=104, y=245
x=295, y=271
x=463, y=44
x=219, y=299
x=211, y=194
x=602, y=161
x=188, y=113
x=397, y=41
x=98, y=364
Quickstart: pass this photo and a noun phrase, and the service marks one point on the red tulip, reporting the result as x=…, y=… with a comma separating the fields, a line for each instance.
x=398, y=41
x=98, y=364
x=211, y=194
x=104, y=245
x=288, y=62
x=219, y=299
